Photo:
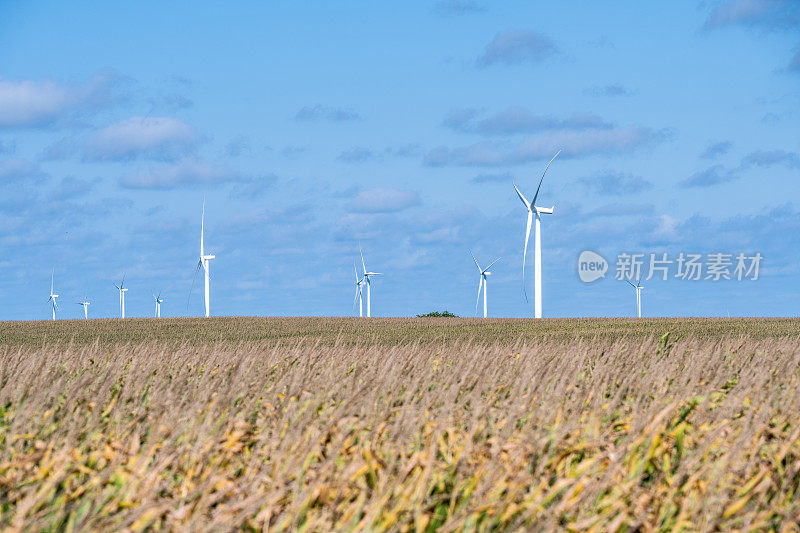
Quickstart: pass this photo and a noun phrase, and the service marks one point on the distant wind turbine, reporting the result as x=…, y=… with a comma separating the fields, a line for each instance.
x=484, y=272
x=159, y=300
x=534, y=210
x=367, y=280
x=122, y=290
x=639, y=290
x=52, y=295
x=205, y=263
x=359, y=293
x=85, y=303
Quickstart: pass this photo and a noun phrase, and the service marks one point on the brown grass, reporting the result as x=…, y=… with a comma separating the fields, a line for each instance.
x=598, y=434
x=381, y=331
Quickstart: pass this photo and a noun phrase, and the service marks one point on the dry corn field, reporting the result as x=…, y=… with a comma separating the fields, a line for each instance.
x=578, y=431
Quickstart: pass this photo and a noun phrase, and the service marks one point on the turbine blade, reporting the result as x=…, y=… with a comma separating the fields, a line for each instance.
x=52, y=273
x=478, y=299
x=194, y=278
x=364, y=266
x=525, y=252
x=355, y=269
x=202, y=225
x=631, y=284
x=535, y=196
x=476, y=261
x=490, y=264
x=521, y=197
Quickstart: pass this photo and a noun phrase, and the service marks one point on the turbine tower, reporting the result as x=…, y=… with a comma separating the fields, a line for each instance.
x=534, y=210
x=85, y=303
x=122, y=290
x=639, y=290
x=52, y=295
x=205, y=262
x=159, y=300
x=367, y=280
x=484, y=272
x=359, y=293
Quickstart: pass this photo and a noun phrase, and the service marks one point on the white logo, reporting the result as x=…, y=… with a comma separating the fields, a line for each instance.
x=591, y=266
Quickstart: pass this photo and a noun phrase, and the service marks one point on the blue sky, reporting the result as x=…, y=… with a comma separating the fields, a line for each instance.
x=313, y=126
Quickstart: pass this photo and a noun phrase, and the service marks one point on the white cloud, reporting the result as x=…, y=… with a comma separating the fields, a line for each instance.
x=16, y=170
x=515, y=47
x=142, y=137
x=383, y=200
x=187, y=173
x=572, y=143
x=30, y=103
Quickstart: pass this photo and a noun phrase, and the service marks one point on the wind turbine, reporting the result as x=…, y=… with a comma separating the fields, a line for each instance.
x=639, y=290
x=205, y=262
x=85, y=303
x=52, y=295
x=359, y=293
x=367, y=278
x=482, y=282
x=534, y=210
x=122, y=290
x=159, y=300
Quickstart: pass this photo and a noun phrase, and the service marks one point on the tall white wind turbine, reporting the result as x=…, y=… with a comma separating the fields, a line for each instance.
x=85, y=303
x=52, y=295
x=534, y=210
x=367, y=280
x=122, y=290
x=359, y=292
x=159, y=300
x=638, y=287
x=205, y=262
x=484, y=272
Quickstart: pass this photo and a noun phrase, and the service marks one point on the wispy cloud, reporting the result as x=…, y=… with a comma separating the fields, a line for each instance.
x=763, y=15
x=516, y=47
x=7, y=147
x=320, y=112
x=18, y=170
x=185, y=174
x=238, y=146
x=170, y=102
x=59, y=150
x=458, y=7
x=31, y=103
x=616, y=184
x=163, y=138
x=72, y=187
x=794, y=65
x=504, y=177
x=383, y=200
x=572, y=143
x=716, y=149
x=254, y=189
x=356, y=155
x=709, y=177
x=609, y=90
x=764, y=158
x=768, y=15
x=518, y=120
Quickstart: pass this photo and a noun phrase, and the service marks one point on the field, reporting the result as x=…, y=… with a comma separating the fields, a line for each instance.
x=400, y=424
